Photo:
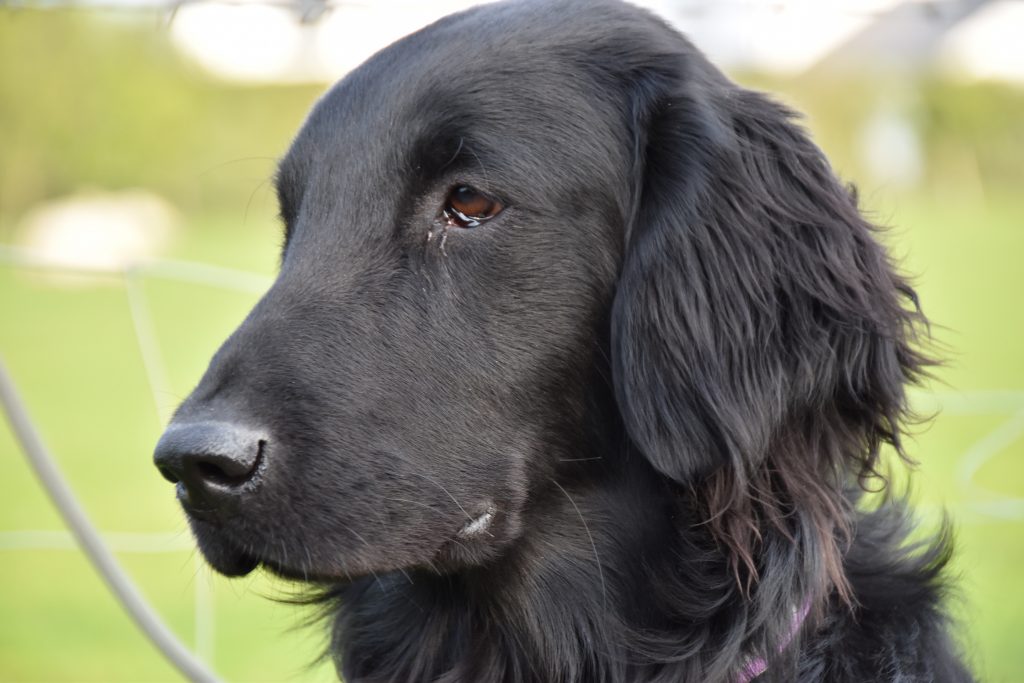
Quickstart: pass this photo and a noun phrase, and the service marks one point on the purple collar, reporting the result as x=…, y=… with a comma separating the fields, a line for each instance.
x=758, y=665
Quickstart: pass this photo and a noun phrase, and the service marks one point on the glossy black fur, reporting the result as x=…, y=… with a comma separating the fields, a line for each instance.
x=667, y=368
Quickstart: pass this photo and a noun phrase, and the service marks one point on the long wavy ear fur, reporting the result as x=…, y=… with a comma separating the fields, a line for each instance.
x=761, y=338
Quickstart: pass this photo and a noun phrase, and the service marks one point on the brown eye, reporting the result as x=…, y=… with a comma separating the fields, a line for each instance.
x=467, y=207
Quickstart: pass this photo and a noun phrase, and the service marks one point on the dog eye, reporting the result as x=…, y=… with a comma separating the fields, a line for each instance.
x=467, y=207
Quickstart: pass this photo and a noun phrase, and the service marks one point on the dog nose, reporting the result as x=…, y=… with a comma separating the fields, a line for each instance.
x=210, y=461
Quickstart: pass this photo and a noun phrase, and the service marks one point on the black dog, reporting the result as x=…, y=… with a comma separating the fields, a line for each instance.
x=578, y=358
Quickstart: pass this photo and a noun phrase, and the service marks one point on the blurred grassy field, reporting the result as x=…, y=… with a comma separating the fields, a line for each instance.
x=73, y=351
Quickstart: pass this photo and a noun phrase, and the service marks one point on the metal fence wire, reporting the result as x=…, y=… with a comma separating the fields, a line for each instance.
x=100, y=547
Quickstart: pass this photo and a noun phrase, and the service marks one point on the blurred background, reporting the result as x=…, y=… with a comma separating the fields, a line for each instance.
x=138, y=225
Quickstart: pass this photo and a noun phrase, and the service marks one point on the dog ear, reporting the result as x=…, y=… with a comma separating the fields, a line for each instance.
x=761, y=339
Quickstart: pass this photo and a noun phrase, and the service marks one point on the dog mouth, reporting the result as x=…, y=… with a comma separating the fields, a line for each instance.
x=224, y=556
x=232, y=558
x=234, y=563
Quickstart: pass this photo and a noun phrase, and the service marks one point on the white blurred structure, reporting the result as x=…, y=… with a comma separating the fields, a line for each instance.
x=102, y=232
x=320, y=40
x=990, y=44
x=891, y=148
x=255, y=42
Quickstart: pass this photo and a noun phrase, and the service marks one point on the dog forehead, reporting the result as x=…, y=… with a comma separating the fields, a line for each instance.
x=508, y=62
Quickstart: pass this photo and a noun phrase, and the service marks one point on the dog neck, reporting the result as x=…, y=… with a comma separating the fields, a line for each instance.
x=612, y=583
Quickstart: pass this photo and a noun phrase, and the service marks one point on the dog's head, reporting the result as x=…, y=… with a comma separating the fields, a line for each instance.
x=498, y=230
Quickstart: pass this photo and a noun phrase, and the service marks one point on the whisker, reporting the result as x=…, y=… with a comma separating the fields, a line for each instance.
x=455, y=156
x=593, y=546
x=435, y=483
x=447, y=492
x=483, y=168
x=406, y=575
x=419, y=503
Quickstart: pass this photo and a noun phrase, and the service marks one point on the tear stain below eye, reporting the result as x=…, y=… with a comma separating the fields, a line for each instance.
x=480, y=525
x=443, y=231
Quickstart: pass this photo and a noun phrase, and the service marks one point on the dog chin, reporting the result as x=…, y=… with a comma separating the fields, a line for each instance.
x=478, y=541
x=228, y=561
x=225, y=557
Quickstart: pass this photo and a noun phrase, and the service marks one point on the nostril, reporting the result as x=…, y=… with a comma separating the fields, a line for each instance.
x=228, y=472
x=211, y=461
x=211, y=473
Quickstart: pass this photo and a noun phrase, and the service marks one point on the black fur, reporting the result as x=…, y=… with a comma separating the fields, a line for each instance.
x=666, y=368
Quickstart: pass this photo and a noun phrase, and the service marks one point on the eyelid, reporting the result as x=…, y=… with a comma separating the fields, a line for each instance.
x=456, y=216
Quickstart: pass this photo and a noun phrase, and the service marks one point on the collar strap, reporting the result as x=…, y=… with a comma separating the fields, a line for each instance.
x=758, y=665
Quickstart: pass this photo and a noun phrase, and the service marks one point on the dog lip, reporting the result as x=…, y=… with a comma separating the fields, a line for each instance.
x=208, y=515
x=220, y=550
x=306, y=575
x=233, y=564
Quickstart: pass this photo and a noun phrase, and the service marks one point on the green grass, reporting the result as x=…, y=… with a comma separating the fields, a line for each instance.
x=72, y=351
